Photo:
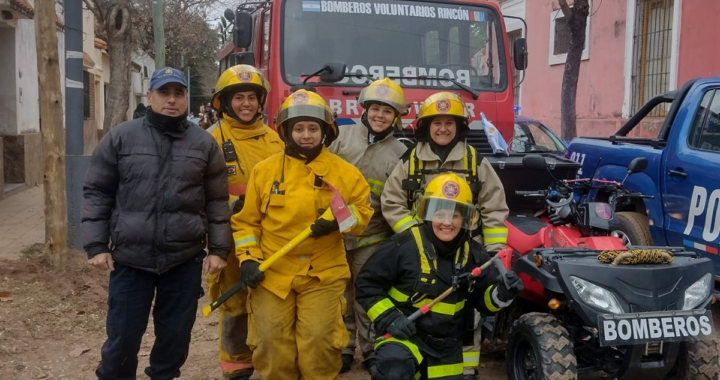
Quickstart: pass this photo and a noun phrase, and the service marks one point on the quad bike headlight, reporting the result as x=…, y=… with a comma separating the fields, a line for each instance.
x=596, y=296
x=696, y=293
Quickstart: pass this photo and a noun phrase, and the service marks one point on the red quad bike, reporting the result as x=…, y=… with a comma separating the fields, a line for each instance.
x=578, y=315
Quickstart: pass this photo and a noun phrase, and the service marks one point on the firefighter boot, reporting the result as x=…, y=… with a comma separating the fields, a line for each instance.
x=347, y=361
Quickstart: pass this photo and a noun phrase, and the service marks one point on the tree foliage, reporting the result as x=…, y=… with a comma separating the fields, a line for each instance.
x=576, y=21
x=126, y=26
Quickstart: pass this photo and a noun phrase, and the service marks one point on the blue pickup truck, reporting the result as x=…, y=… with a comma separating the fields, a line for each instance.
x=683, y=175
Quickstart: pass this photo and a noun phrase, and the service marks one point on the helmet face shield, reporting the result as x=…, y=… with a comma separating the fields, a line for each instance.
x=446, y=211
x=302, y=103
x=320, y=113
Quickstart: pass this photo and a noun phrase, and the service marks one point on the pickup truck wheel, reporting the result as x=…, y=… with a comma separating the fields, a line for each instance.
x=697, y=361
x=539, y=348
x=634, y=229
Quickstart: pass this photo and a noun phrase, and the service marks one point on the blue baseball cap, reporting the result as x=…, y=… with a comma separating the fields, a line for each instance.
x=167, y=75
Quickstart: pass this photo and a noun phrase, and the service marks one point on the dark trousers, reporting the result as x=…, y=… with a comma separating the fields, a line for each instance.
x=131, y=293
x=395, y=361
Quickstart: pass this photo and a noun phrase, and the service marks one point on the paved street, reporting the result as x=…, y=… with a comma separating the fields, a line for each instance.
x=21, y=222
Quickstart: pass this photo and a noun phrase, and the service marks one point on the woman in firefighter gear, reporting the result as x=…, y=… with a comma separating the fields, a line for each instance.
x=416, y=266
x=371, y=147
x=296, y=307
x=442, y=129
x=239, y=98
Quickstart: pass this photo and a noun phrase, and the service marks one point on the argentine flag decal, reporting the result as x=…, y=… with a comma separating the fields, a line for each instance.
x=477, y=16
x=311, y=6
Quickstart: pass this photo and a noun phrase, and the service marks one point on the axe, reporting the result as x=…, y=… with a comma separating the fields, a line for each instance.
x=338, y=211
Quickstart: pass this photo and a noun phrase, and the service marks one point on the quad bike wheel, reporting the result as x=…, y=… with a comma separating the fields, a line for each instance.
x=634, y=229
x=539, y=348
x=697, y=361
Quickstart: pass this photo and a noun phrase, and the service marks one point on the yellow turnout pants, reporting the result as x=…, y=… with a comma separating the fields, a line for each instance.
x=235, y=355
x=301, y=336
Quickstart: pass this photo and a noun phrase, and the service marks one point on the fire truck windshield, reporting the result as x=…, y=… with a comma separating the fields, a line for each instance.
x=391, y=38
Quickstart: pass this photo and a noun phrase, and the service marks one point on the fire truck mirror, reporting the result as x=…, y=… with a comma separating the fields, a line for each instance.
x=520, y=54
x=333, y=72
x=242, y=34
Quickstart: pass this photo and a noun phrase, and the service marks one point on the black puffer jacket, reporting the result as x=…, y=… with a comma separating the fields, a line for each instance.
x=155, y=194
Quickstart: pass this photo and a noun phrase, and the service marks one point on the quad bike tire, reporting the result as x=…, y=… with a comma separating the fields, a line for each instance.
x=634, y=228
x=698, y=361
x=539, y=348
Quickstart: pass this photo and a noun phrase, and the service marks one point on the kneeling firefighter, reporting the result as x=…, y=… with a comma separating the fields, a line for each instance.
x=371, y=147
x=442, y=130
x=296, y=306
x=239, y=98
x=416, y=266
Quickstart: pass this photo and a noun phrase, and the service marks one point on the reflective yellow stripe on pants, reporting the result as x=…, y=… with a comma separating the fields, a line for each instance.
x=471, y=359
x=446, y=370
x=365, y=241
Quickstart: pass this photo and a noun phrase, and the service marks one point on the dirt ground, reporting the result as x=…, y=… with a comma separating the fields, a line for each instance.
x=52, y=324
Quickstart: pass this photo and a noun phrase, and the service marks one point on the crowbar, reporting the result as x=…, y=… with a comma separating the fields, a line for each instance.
x=338, y=211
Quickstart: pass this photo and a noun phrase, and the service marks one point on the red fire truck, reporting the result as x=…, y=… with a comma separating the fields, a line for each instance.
x=425, y=46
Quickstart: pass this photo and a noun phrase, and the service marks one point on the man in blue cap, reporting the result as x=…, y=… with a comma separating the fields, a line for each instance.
x=155, y=192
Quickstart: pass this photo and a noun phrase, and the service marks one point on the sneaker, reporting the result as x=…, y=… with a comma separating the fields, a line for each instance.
x=347, y=361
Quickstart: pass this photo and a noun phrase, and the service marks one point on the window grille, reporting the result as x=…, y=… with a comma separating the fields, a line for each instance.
x=652, y=40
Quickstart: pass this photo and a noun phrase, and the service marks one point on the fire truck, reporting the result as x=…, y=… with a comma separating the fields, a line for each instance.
x=338, y=47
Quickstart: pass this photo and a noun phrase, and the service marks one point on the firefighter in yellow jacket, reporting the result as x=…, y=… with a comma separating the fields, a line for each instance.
x=240, y=95
x=296, y=306
x=441, y=132
x=371, y=147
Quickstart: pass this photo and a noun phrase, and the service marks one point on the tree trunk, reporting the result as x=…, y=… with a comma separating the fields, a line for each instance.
x=118, y=27
x=51, y=116
x=576, y=21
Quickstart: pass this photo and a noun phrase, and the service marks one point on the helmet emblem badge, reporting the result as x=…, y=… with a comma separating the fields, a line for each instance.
x=442, y=106
x=451, y=190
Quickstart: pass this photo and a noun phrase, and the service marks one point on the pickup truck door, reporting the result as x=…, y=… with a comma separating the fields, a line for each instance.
x=691, y=188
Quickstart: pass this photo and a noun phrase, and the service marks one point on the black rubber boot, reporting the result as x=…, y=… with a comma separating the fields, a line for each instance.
x=368, y=364
x=347, y=361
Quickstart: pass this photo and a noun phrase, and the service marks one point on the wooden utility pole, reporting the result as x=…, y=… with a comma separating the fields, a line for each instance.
x=51, y=126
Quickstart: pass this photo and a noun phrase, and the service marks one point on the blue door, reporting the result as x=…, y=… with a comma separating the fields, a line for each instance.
x=691, y=189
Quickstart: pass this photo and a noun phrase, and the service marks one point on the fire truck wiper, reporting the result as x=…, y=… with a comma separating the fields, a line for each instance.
x=475, y=94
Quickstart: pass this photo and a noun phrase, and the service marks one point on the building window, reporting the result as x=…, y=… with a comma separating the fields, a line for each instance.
x=652, y=53
x=560, y=38
x=86, y=94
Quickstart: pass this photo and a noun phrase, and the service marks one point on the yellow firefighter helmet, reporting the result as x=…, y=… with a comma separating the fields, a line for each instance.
x=448, y=192
x=303, y=103
x=240, y=77
x=442, y=104
x=388, y=92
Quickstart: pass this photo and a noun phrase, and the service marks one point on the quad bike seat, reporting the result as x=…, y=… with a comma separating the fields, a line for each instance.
x=525, y=232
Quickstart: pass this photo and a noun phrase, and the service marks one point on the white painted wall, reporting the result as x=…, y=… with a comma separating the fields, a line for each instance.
x=138, y=81
x=27, y=95
x=8, y=76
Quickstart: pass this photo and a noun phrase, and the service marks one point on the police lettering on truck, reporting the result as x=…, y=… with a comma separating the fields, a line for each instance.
x=704, y=201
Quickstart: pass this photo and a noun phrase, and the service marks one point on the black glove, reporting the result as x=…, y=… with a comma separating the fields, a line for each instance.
x=401, y=328
x=557, y=220
x=250, y=274
x=239, y=204
x=322, y=227
x=513, y=288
